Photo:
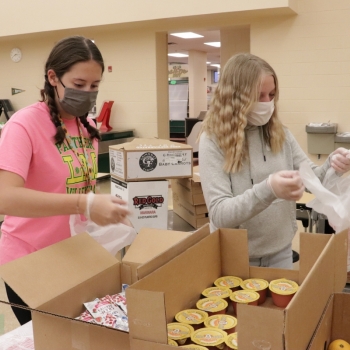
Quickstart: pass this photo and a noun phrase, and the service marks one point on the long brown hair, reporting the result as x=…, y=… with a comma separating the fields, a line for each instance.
x=237, y=91
x=63, y=56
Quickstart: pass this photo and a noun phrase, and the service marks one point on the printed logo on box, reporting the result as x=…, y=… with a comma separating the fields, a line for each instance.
x=142, y=202
x=148, y=161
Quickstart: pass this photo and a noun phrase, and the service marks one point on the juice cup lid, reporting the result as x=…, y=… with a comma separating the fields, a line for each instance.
x=231, y=341
x=283, y=286
x=221, y=292
x=221, y=321
x=177, y=330
x=209, y=336
x=228, y=281
x=191, y=316
x=244, y=296
x=212, y=304
x=254, y=284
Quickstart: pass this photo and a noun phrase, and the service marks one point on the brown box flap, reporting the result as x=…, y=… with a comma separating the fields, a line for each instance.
x=260, y=323
x=41, y=276
x=341, y=259
x=318, y=285
x=191, y=239
x=311, y=246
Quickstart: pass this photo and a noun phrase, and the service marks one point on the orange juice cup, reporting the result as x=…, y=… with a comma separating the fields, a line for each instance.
x=212, y=305
x=244, y=297
x=282, y=291
x=220, y=292
x=257, y=285
x=172, y=342
x=180, y=332
x=193, y=317
x=211, y=338
x=226, y=323
x=231, y=341
x=231, y=282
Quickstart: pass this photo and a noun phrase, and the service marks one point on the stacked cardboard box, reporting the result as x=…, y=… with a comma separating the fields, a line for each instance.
x=139, y=172
x=188, y=200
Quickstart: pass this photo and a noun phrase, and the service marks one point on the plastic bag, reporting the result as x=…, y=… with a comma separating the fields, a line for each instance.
x=332, y=198
x=112, y=237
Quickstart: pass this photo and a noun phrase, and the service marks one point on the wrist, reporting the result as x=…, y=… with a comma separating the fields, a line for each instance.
x=81, y=204
x=268, y=181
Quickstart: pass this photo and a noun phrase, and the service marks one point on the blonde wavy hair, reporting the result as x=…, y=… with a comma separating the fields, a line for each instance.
x=237, y=91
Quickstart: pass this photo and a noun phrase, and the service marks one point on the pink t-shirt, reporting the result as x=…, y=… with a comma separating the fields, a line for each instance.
x=27, y=148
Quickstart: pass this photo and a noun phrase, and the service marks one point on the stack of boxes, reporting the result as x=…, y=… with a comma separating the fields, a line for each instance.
x=139, y=171
x=188, y=200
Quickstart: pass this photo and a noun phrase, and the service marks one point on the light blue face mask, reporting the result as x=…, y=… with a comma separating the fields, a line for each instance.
x=77, y=102
x=261, y=113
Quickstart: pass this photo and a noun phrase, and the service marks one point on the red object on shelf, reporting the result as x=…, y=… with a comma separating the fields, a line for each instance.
x=105, y=115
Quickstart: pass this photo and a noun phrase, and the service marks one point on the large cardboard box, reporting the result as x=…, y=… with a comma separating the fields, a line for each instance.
x=57, y=280
x=334, y=323
x=178, y=285
x=150, y=159
x=148, y=201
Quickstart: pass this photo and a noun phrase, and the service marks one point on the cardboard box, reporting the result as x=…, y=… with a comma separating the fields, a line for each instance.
x=57, y=280
x=148, y=201
x=189, y=190
x=150, y=159
x=334, y=323
x=195, y=215
x=178, y=285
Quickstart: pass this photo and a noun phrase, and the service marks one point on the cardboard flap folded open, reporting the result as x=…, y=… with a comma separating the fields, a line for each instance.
x=303, y=307
x=147, y=323
x=71, y=261
x=341, y=319
x=268, y=325
x=173, y=251
x=311, y=246
x=341, y=259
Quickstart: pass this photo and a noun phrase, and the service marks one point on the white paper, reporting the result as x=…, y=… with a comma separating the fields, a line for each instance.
x=20, y=338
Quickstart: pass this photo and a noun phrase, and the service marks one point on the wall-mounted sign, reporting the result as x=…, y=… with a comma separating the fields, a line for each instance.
x=16, y=91
x=178, y=71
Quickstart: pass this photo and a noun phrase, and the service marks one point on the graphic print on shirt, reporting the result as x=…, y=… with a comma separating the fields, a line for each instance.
x=76, y=181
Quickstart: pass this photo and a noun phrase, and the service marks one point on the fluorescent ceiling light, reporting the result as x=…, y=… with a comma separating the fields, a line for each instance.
x=187, y=35
x=214, y=43
x=215, y=65
x=208, y=62
x=177, y=54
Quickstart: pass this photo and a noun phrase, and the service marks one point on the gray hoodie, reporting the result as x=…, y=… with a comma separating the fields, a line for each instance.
x=244, y=199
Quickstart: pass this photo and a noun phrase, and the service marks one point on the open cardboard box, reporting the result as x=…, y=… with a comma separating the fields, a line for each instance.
x=177, y=285
x=334, y=323
x=57, y=280
x=150, y=159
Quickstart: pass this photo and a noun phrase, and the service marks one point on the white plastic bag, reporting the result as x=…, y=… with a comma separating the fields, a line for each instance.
x=112, y=237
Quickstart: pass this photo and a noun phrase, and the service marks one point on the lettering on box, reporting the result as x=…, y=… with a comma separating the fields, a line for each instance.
x=148, y=201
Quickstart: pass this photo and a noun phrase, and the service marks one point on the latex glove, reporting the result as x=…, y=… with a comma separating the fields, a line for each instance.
x=104, y=209
x=340, y=160
x=286, y=184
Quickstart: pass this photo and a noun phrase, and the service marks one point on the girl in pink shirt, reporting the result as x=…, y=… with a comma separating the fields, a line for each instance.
x=48, y=159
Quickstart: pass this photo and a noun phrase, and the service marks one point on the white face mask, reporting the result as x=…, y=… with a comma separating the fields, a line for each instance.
x=261, y=113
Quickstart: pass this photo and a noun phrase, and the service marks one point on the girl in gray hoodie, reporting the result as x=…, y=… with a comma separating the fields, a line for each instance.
x=249, y=161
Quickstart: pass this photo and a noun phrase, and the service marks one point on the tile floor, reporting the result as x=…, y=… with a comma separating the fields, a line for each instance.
x=9, y=322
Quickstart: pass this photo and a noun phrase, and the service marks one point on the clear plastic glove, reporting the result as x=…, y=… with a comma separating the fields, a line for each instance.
x=104, y=209
x=286, y=184
x=340, y=160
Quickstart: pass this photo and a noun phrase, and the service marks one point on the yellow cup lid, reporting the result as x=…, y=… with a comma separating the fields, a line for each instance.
x=191, y=316
x=228, y=281
x=209, y=336
x=244, y=296
x=254, y=284
x=221, y=321
x=221, y=292
x=212, y=304
x=172, y=342
x=231, y=341
x=177, y=330
x=283, y=286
